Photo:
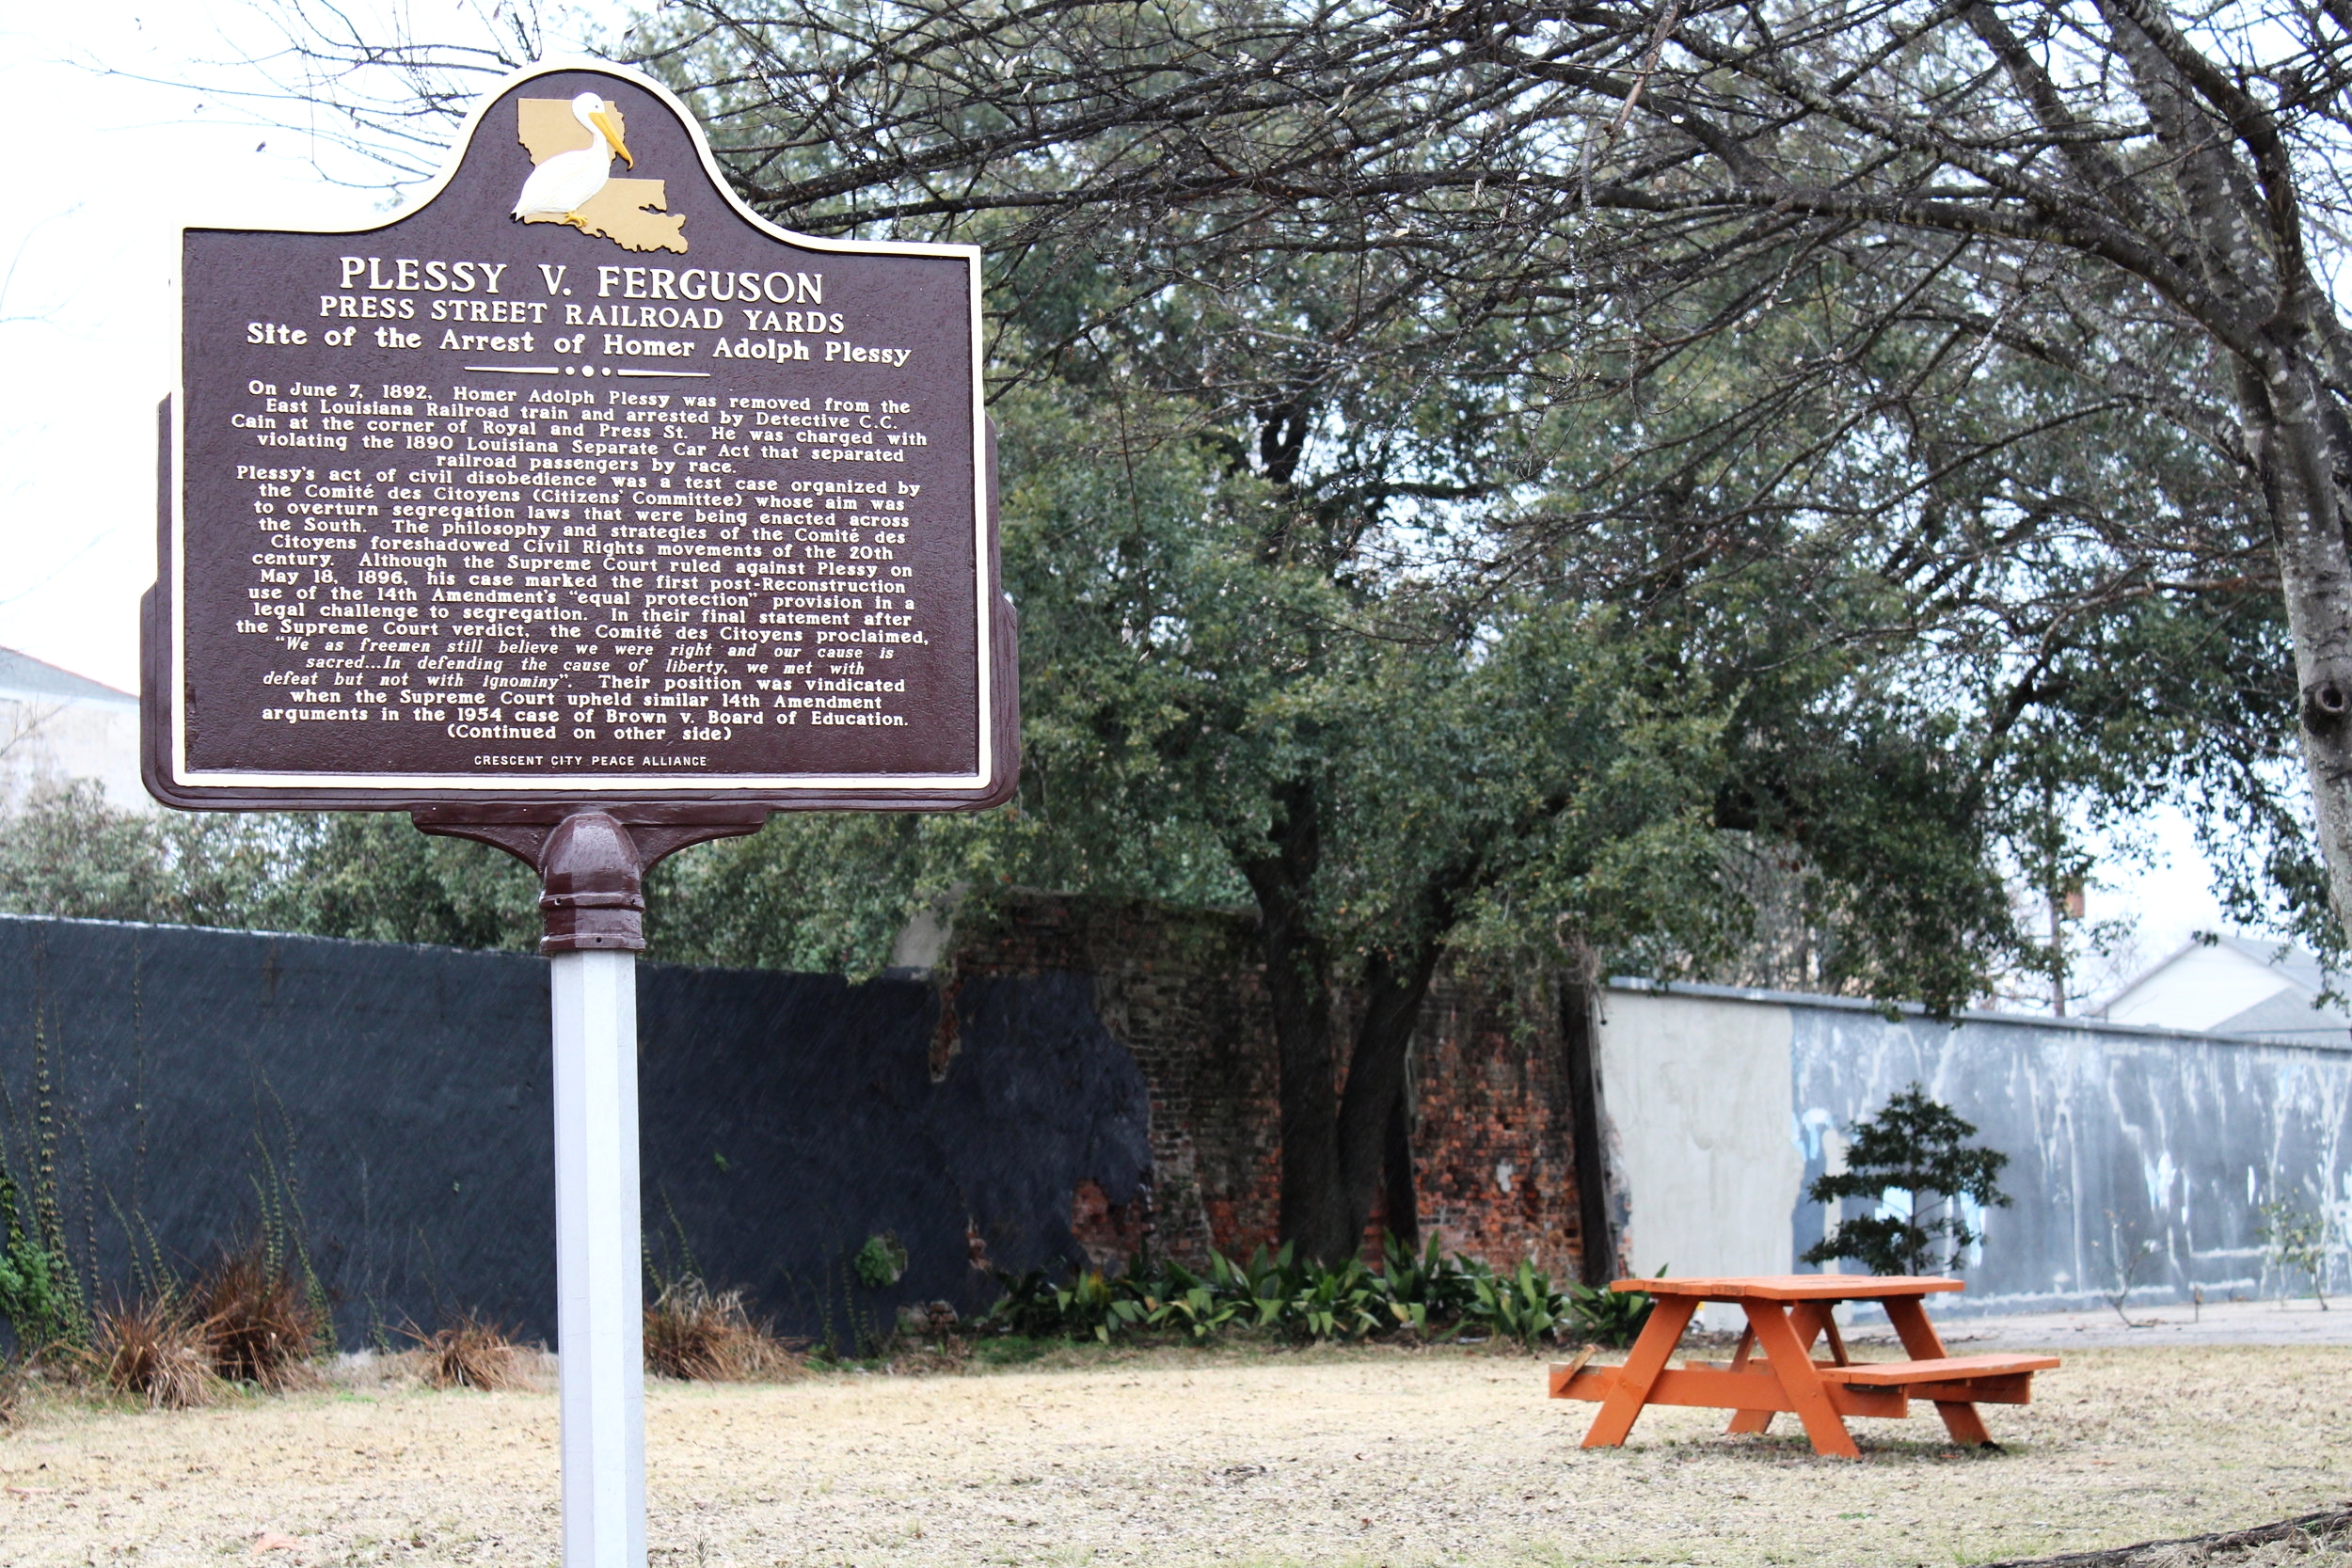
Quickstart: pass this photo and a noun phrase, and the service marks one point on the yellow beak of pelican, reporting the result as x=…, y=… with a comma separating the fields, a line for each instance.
x=603, y=123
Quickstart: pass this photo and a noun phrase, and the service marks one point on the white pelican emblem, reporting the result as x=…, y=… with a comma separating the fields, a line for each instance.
x=560, y=187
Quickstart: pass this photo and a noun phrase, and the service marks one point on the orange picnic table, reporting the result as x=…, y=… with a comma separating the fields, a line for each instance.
x=1773, y=1368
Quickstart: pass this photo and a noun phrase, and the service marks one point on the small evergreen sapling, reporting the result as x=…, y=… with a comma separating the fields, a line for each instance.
x=1917, y=1146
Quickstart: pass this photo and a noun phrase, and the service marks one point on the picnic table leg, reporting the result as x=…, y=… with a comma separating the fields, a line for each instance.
x=1668, y=1317
x=1792, y=1364
x=1746, y=1420
x=1922, y=1343
x=1809, y=1318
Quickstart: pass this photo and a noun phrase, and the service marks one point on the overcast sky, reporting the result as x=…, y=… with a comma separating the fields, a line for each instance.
x=104, y=170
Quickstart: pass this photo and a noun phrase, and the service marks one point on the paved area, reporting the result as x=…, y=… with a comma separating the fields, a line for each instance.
x=2227, y=1323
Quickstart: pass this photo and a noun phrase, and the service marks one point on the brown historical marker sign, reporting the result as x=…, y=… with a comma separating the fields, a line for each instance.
x=579, y=483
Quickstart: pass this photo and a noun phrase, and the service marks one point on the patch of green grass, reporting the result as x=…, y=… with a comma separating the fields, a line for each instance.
x=1012, y=1349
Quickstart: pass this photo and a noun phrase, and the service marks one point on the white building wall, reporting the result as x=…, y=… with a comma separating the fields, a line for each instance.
x=2121, y=1139
x=50, y=739
x=1696, y=1091
x=2197, y=988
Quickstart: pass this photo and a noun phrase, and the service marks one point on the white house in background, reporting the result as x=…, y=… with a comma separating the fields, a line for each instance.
x=57, y=726
x=2234, y=986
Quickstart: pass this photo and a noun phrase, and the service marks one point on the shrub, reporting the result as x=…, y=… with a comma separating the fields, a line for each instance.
x=1520, y=1305
x=1278, y=1292
x=1426, y=1290
x=470, y=1353
x=1609, y=1317
x=881, y=1264
x=2294, y=1237
x=1094, y=1305
x=1195, y=1307
x=156, y=1349
x=40, y=1299
x=262, y=1324
x=701, y=1334
x=36, y=1295
x=1914, y=1146
x=1029, y=1307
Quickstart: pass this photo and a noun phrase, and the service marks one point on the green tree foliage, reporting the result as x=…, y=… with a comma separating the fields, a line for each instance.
x=1409, y=554
x=366, y=876
x=1918, y=1147
x=67, y=851
x=373, y=877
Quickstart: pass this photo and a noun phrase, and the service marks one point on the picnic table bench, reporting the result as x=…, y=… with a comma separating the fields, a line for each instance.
x=1772, y=1368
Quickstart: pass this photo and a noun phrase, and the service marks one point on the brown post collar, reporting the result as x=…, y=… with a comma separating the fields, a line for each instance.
x=592, y=859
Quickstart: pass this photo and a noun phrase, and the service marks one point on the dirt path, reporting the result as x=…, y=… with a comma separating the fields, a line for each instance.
x=1172, y=1457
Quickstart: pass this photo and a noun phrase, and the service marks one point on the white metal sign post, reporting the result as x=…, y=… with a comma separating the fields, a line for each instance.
x=590, y=865
x=599, y=1317
x=598, y=1320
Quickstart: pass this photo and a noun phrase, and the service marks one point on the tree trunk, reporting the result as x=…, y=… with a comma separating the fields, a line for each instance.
x=1338, y=1146
x=1399, y=1197
x=2250, y=254
x=2292, y=454
x=1395, y=988
x=1597, y=1234
x=1298, y=991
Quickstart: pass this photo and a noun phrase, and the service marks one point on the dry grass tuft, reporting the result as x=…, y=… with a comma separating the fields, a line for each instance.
x=156, y=1349
x=472, y=1353
x=701, y=1334
x=261, y=1325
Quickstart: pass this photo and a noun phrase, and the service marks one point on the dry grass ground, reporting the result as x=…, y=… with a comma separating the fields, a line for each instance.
x=1175, y=1457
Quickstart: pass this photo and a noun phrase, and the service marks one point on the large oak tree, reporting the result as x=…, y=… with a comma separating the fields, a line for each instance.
x=1479, y=472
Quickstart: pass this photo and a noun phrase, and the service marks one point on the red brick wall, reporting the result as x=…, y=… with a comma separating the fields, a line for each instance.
x=1494, y=1169
x=1183, y=990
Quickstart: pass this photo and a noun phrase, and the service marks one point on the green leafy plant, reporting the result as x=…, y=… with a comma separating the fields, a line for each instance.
x=1521, y=1305
x=1028, y=1309
x=36, y=1295
x=1095, y=1306
x=1430, y=1289
x=39, y=1294
x=1918, y=1146
x=1276, y=1291
x=881, y=1264
x=1344, y=1303
x=1186, y=1303
x=2294, y=1237
x=1609, y=1317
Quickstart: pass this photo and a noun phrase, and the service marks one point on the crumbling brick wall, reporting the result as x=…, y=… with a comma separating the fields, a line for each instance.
x=1493, y=1128
x=1176, y=988
x=1494, y=1168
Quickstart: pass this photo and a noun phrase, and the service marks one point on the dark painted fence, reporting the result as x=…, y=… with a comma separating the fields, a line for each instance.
x=169, y=1089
